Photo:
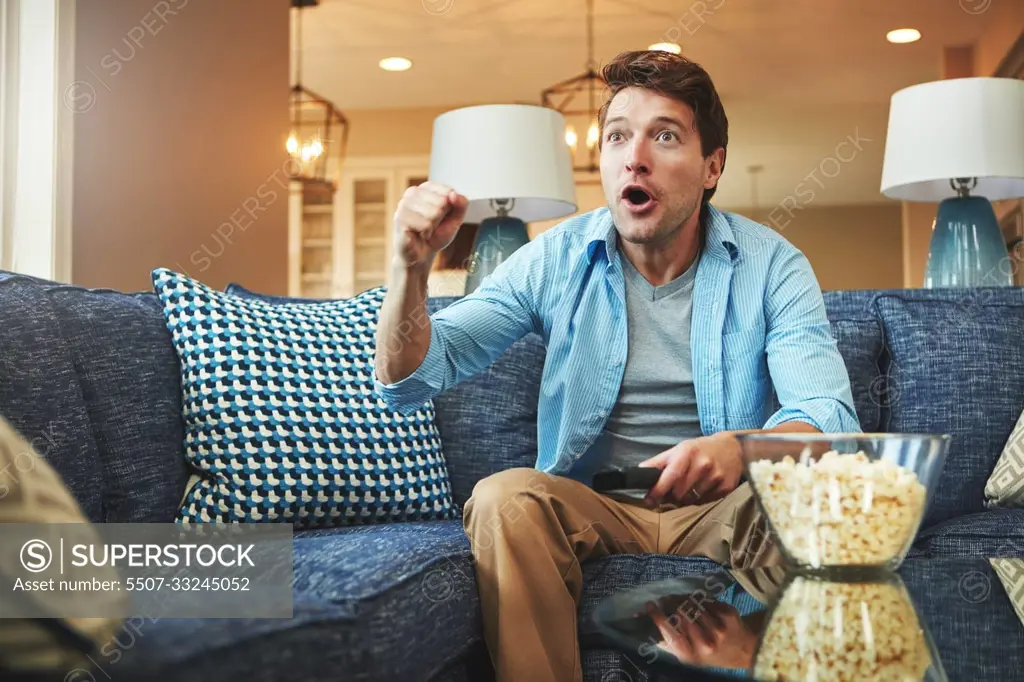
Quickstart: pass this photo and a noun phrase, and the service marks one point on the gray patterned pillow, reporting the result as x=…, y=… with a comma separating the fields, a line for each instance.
x=1011, y=575
x=1005, y=487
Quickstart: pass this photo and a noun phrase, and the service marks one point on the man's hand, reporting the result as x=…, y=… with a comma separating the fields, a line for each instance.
x=697, y=471
x=426, y=221
x=716, y=636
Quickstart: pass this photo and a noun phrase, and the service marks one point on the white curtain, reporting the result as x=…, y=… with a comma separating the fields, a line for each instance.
x=37, y=51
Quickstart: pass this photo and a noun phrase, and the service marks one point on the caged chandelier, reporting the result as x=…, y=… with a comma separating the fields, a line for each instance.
x=319, y=131
x=569, y=96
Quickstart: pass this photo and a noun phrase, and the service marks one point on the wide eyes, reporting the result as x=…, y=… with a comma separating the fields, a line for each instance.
x=663, y=136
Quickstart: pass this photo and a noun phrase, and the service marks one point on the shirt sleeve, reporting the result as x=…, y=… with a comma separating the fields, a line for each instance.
x=471, y=333
x=806, y=367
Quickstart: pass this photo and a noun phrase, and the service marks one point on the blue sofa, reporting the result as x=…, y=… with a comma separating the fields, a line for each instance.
x=91, y=378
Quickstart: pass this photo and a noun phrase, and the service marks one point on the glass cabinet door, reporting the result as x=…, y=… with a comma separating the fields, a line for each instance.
x=370, y=233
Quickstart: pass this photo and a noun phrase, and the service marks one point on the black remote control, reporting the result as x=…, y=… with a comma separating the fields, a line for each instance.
x=625, y=478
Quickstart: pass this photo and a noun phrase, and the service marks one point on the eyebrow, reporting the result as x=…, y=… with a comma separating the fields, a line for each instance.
x=660, y=119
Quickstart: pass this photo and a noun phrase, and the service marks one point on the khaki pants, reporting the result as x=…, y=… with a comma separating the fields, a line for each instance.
x=32, y=492
x=530, y=531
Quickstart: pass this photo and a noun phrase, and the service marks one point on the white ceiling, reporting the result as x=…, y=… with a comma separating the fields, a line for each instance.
x=797, y=76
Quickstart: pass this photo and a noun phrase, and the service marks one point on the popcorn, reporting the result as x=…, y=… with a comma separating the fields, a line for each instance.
x=843, y=509
x=833, y=632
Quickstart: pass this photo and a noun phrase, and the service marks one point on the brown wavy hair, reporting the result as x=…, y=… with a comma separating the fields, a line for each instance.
x=677, y=77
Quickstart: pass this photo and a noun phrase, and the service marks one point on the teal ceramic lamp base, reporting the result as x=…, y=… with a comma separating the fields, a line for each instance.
x=967, y=247
x=496, y=240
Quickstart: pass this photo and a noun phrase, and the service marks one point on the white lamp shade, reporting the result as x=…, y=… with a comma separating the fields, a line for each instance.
x=957, y=128
x=505, y=151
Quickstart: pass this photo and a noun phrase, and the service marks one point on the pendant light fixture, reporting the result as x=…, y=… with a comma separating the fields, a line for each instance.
x=579, y=99
x=319, y=131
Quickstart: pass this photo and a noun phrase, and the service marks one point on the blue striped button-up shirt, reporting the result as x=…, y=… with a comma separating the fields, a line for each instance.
x=758, y=323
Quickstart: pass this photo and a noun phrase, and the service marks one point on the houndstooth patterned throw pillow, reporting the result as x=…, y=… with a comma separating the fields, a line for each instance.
x=1005, y=487
x=282, y=420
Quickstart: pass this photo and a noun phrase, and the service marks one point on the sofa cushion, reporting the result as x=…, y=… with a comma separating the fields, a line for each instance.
x=128, y=376
x=956, y=359
x=131, y=384
x=861, y=342
x=854, y=304
x=993, y=533
x=40, y=395
x=467, y=671
x=282, y=419
x=390, y=602
x=970, y=620
x=353, y=566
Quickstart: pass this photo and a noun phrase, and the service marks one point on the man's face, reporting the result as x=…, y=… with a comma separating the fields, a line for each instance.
x=652, y=169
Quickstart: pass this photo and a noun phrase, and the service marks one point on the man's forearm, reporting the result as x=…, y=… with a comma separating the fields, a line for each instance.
x=403, y=329
x=792, y=426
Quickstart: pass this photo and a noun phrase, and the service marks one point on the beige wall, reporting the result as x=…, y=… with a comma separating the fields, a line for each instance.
x=849, y=247
x=391, y=132
x=179, y=142
x=1004, y=24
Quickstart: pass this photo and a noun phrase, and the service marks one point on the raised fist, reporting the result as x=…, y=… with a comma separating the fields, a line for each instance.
x=426, y=220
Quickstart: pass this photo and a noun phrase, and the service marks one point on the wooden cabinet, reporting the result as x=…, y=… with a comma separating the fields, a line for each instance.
x=312, y=241
x=342, y=244
x=370, y=190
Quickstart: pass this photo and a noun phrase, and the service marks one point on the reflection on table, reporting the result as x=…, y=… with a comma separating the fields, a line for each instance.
x=934, y=619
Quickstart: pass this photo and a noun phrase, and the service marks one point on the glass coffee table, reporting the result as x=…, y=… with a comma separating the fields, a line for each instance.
x=933, y=619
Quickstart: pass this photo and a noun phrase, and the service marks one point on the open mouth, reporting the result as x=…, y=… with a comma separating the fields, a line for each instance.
x=637, y=198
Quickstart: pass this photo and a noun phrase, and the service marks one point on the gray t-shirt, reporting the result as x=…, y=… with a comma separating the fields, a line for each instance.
x=656, y=407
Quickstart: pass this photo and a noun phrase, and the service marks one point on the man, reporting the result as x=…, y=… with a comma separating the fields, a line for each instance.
x=667, y=324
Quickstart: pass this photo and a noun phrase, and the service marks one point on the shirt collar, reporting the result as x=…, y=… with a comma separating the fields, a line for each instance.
x=720, y=241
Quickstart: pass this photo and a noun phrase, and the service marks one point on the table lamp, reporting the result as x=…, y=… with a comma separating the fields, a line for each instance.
x=959, y=142
x=512, y=163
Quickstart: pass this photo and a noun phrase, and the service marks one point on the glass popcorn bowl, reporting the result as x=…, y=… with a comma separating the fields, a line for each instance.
x=840, y=505
x=831, y=631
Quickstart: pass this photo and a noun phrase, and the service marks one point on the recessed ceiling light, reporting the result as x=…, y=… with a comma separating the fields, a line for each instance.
x=666, y=47
x=395, y=64
x=903, y=35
